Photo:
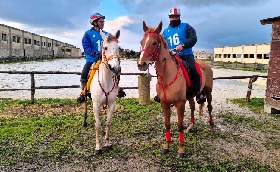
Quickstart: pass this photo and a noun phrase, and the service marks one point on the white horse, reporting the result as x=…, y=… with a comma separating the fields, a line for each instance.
x=103, y=88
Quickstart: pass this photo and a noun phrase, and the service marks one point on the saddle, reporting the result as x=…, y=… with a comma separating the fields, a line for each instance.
x=187, y=74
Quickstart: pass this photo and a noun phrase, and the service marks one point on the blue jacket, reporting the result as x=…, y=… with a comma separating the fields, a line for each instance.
x=92, y=44
x=176, y=36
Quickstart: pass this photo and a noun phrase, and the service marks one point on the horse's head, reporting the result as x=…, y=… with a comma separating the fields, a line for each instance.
x=110, y=52
x=150, y=46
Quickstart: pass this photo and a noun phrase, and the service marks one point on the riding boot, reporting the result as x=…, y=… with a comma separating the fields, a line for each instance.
x=82, y=97
x=199, y=96
x=121, y=93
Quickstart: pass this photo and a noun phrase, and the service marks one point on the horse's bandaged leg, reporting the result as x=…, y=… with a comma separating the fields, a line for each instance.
x=181, y=137
x=192, y=120
x=168, y=136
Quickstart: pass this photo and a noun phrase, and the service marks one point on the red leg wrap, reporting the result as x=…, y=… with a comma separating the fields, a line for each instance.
x=192, y=120
x=168, y=136
x=211, y=121
x=181, y=137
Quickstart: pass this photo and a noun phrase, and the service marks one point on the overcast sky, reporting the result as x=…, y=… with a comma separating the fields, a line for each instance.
x=217, y=22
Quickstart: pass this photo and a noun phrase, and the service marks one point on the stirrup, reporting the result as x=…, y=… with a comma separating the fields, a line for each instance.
x=121, y=93
x=81, y=98
x=157, y=99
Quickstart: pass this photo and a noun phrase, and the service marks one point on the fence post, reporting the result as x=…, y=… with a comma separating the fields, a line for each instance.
x=144, y=88
x=250, y=85
x=32, y=87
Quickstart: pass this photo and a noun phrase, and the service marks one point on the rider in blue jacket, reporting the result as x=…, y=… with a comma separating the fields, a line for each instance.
x=182, y=37
x=92, y=44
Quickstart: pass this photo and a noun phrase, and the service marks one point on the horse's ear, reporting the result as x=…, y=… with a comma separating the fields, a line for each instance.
x=104, y=37
x=145, y=28
x=118, y=34
x=158, y=29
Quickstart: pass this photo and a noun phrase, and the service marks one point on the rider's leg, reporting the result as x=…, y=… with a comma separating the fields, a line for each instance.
x=195, y=78
x=83, y=80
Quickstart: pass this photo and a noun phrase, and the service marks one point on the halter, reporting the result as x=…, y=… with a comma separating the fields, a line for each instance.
x=106, y=59
x=155, y=54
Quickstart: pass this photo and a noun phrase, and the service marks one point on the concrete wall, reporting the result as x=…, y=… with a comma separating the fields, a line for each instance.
x=255, y=53
x=22, y=44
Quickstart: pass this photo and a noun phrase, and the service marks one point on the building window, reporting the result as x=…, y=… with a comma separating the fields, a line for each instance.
x=259, y=56
x=266, y=56
x=68, y=50
x=49, y=44
x=233, y=55
x=251, y=56
x=35, y=42
x=18, y=39
x=13, y=38
x=4, y=37
x=239, y=55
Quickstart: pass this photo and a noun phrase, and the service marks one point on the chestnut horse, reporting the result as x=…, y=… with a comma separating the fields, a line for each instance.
x=171, y=83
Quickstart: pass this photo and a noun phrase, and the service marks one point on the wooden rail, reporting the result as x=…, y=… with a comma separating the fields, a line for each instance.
x=253, y=78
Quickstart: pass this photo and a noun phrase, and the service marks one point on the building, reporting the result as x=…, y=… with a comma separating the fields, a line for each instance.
x=272, y=94
x=19, y=43
x=254, y=53
x=203, y=55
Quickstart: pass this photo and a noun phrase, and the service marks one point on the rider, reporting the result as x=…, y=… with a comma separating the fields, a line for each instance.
x=92, y=42
x=182, y=37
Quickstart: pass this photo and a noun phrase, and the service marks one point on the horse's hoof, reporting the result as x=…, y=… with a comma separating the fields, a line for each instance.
x=165, y=151
x=98, y=152
x=108, y=148
x=84, y=124
x=181, y=155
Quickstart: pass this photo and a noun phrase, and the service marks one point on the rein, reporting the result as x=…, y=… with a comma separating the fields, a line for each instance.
x=103, y=90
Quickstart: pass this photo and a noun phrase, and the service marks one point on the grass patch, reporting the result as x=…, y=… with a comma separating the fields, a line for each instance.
x=255, y=104
x=50, y=131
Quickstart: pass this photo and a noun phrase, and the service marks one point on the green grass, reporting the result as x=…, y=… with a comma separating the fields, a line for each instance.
x=255, y=104
x=56, y=135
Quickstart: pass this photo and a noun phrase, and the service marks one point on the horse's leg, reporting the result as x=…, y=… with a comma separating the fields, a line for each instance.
x=111, y=109
x=192, y=107
x=180, y=111
x=200, y=110
x=167, y=113
x=208, y=93
x=97, y=128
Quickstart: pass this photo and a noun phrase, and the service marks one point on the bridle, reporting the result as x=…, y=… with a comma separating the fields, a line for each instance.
x=154, y=54
x=106, y=59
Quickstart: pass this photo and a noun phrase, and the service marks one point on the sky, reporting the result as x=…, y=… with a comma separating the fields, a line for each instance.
x=217, y=22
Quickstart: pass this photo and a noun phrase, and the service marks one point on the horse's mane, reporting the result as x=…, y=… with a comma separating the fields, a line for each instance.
x=151, y=29
x=111, y=37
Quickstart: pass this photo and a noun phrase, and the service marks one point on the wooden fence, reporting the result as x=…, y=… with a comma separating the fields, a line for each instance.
x=252, y=79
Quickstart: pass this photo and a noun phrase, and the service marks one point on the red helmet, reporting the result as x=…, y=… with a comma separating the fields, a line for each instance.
x=95, y=17
x=174, y=12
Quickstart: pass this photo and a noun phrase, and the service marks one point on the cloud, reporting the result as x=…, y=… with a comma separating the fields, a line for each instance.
x=217, y=22
x=50, y=13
